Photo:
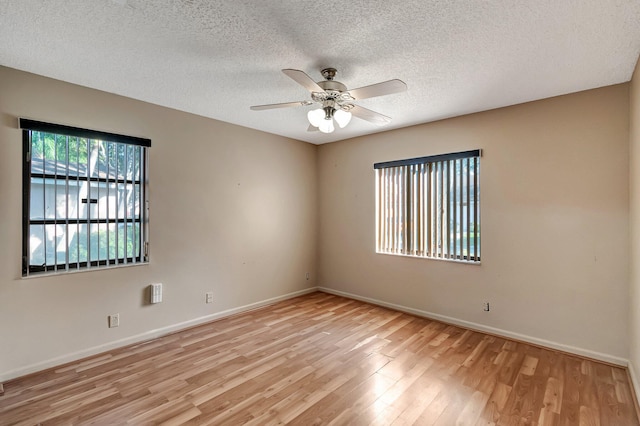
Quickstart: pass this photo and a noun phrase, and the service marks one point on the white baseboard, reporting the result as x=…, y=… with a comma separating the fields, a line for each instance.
x=148, y=335
x=611, y=359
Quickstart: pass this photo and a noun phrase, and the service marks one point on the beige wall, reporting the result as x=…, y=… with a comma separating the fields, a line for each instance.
x=634, y=173
x=555, y=222
x=233, y=211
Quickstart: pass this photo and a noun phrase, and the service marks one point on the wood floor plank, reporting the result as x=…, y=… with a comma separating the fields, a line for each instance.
x=494, y=409
x=324, y=359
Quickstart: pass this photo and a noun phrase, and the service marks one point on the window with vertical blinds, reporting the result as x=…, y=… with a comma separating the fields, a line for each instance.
x=84, y=198
x=430, y=207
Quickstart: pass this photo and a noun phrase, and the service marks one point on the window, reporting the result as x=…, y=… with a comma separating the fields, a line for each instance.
x=430, y=207
x=84, y=198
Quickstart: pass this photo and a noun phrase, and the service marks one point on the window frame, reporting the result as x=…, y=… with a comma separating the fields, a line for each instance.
x=140, y=253
x=419, y=207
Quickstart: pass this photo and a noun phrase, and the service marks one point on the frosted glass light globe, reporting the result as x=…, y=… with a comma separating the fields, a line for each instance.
x=342, y=117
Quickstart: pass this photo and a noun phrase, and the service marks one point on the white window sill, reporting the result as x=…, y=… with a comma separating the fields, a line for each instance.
x=80, y=271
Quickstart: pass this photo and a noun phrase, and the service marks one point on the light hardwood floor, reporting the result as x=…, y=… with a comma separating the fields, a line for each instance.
x=323, y=359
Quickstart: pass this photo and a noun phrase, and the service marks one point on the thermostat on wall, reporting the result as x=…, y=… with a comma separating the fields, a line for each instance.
x=155, y=292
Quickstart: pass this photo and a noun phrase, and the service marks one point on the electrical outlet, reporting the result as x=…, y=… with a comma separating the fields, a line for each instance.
x=486, y=306
x=209, y=298
x=307, y=276
x=114, y=320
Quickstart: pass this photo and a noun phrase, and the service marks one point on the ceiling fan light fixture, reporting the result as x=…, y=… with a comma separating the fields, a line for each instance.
x=342, y=117
x=322, y=118
x=316, y=117
x=326, y=126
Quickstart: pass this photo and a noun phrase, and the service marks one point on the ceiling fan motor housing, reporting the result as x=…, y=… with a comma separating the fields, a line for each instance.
x=332, y=85
x=333, y=91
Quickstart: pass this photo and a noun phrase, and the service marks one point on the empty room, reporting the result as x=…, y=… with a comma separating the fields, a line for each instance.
x=310, y=213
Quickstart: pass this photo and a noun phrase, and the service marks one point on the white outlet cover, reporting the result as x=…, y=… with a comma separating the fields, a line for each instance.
x=114, y=320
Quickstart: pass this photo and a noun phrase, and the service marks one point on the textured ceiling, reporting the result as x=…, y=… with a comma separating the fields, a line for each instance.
x=217, y=58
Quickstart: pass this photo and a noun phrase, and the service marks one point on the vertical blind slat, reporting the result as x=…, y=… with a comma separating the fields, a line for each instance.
x=393, y=218
x=468, y=210
x=456, y=222
x=409, y=228
x=390, y=203
x=97, y=226
x=416, y=211
x=446, y=203
x=55, y=204
x=66, y=205
x=405, y=210
x=383, y=206
x=429, y=184
x=88, y=185
x=377, y=201
x=399, y=209
x=420, y=204
x=387, y=225
x=44, y=200
x=77, y=204
x=476, y=227
x=440, y=209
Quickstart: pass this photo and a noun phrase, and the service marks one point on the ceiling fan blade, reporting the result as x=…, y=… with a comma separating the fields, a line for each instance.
x=379, y=89
x=371, y=116
x=282, y=105
x=312, y=128
x=303, y=79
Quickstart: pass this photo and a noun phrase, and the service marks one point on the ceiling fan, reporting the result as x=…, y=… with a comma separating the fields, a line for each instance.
x=336, y=100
